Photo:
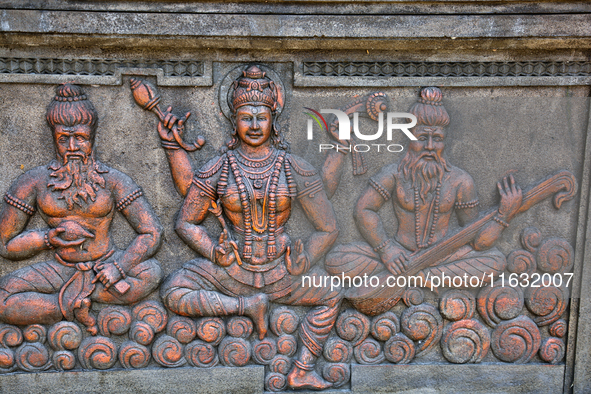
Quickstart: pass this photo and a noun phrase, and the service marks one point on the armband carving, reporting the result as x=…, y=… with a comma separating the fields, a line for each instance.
x=18, y=204
x=311, y=188
x=296, y=167
x=206, y=188
x=124, y=202
x=380, y=189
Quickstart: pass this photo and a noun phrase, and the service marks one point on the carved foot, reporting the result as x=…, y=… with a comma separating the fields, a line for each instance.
x=256, y=307
x=85, y=317
x=300, y=378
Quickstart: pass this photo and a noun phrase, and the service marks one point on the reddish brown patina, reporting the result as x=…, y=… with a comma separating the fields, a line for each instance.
x=77, y=196
x=425, y=191
x=251, y=187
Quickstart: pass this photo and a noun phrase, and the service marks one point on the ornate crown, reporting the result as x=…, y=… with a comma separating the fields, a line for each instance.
x=253, y=87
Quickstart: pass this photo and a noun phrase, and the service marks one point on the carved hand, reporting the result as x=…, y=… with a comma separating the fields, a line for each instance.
x=511, y=197
x=223, y=253
x=68, y=234
x=108, y=274
x=394, y=258
x=297, y=262
x=171, y=124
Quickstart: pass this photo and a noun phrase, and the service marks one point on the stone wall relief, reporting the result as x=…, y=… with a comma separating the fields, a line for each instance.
x=233, y=305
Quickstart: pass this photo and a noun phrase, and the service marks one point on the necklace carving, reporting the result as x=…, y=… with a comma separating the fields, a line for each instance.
x=434, y=207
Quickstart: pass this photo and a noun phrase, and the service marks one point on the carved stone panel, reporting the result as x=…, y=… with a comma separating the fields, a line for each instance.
x=291, y=220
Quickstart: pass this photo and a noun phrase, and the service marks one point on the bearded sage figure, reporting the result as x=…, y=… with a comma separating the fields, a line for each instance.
x=251, y=187
x=77, y=196
x=425, y=191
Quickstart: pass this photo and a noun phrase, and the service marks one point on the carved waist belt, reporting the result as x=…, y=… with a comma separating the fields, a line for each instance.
x=79, y=286
x=268, y=266
x=258, y=275
x=256, y=237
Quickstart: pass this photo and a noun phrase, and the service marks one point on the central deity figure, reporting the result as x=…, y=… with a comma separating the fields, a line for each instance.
x=253, y=184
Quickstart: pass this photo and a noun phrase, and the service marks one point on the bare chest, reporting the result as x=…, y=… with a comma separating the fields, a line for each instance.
x=411, y=198
x=55, y=204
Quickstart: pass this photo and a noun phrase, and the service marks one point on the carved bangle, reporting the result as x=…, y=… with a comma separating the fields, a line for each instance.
x=382, y=245
x=173, y=145
x=46, y=240
x=302, y=366
x=120, y=269
x=240, y=306
x=469, y=204
x=501, y=221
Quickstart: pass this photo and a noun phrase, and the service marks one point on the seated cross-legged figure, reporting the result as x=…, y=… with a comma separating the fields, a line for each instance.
x=77, y=196
x=425, y=191
x=251, y=188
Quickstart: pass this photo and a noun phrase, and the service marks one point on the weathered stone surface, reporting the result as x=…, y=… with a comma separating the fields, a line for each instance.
x=180, y=380
x=483, y=378
x=504, y=121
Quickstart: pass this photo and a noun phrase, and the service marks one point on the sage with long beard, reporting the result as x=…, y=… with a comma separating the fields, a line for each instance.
x=78, y=181
x=424, y=175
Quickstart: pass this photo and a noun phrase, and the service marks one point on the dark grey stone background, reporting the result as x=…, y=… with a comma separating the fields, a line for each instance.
x=531, y=126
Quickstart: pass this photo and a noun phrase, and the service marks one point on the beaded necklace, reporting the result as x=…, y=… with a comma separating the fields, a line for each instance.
x=258, y=170
x=435, y=203
x=248, y=199
x=256, y=163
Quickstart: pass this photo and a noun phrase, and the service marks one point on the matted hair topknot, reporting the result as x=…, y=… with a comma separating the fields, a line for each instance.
x=428, y=109
x=253, y=87
x=71, y=107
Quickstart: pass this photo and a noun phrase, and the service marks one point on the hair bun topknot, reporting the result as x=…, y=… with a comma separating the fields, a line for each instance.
x=69, y=92
x=431, y=96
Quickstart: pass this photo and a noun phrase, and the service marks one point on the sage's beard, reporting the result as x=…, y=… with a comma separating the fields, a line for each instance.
x=423, y=174
x=77, y=181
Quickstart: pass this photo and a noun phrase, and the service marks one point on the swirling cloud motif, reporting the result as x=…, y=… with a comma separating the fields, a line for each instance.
x=465, y=341
x=498, y=302
x=114, y=320
x=337, y=374
x=516, y=341
x=457, y=305
x=353, y=326
x=65, y=336
x=239, y=327
x=134, y=355
x=201, y=354
x=369, y=352
x=152, y=313
x=168, y=352
x=234, y=352
x=97, y=353
x=211, y=330
x=184, y=329
x=399, y=349
x=424, y=324
x=283, y=321
x=384, y=326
